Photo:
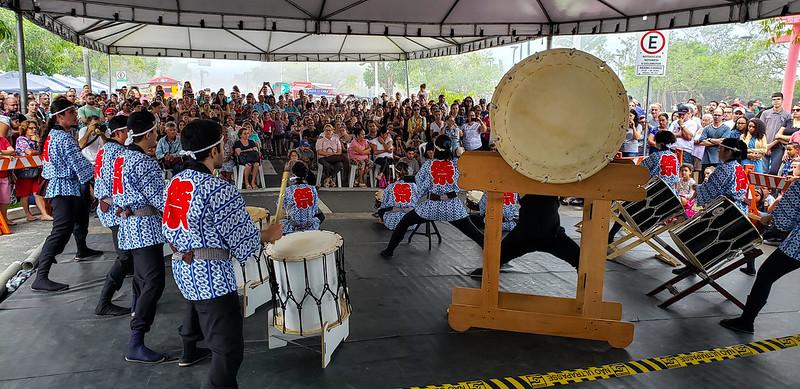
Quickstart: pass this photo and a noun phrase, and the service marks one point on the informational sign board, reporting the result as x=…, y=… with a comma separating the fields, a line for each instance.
x=651, y=57
x=122, y=79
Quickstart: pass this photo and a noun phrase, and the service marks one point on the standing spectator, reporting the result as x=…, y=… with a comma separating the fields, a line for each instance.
x=6, y=150
x=168, y=150
x=756, y=141
x=629, y=146
x=29, y=143
x=739, y=129
x=684, y=129
x=789, y=128
x=91, y=138
x=472, y=131
x=31, y=114
x=655, y=112
x=89, y=109
x=727, y=116
x=712, y=137
x=774, y=118
x=44, y=107
x=10, y=108
x=423, y=94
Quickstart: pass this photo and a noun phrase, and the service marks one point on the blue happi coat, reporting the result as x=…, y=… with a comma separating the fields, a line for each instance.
x=439, y=177
x=398, y=195
x=728, y=179
x=138, y=183
x=509, y=209
x=203, y=211
x=300, y=204
x=103, y=176
x=664, y=164
x=64, y=165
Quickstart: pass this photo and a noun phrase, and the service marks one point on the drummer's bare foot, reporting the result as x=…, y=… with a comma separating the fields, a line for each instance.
x=47, y=218
x=387, y=254
x=30, y=218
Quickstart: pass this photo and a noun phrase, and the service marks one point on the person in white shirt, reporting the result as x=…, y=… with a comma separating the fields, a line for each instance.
x=684, y=129
x=383, y=151
x=91, y=138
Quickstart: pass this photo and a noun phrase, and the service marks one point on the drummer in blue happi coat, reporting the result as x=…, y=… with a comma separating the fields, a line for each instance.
x=399, y=198
x=66, y=169
x=138, y=190
x=207, y=224
x=437, y=179
x=107, y=213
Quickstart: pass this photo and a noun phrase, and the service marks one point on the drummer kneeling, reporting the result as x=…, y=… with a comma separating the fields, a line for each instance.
x=206, y=223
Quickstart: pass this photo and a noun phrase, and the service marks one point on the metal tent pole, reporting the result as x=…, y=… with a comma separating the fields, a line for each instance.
x=87, y=71
x=110, y=88
x=408, y=87
x=23, y=76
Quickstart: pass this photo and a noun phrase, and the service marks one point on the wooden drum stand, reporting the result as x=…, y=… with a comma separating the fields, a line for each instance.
x=586, y=316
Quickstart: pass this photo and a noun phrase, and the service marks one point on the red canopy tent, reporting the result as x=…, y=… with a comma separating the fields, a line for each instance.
x=166, y=83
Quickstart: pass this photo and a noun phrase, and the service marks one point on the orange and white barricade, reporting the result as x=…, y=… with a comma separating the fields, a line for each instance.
x=13, y=163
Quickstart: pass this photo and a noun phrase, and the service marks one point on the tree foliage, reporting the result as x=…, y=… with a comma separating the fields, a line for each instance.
x=46, y=53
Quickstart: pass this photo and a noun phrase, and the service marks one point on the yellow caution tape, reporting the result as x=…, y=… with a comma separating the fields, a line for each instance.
x=567, y=377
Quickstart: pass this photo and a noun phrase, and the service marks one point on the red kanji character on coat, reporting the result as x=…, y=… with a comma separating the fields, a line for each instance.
x=508, y=198
x=45, y=155
x=402, y=193
x=303, y=198
x=179, y=197
x=116, y=187
x=669, y=165
x=98, y=163
x=442, y=172
x=741, y=178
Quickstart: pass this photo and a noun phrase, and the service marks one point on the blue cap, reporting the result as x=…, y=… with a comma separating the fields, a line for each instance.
x=304, y=143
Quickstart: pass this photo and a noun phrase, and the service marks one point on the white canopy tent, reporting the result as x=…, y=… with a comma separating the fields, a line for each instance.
x=361, y=30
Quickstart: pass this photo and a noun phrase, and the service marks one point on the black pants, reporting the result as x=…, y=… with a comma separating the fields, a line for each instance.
x=411, y=218
x=776, y=159
x=123, y=265
x=330, y=169
x=384, y=163
x=218, y=321
x=777, y=265
x=148, y=280
x=519, y=242
x=70, y=216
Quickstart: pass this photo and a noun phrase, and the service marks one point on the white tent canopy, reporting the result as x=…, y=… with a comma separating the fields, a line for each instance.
x=361, y=30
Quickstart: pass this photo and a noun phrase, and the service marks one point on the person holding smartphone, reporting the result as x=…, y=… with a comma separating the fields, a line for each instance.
x=472, y=131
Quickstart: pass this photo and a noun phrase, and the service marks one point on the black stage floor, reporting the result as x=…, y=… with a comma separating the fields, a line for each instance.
x=399, y=335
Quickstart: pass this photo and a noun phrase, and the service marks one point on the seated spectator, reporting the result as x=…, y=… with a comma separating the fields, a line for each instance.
x=330, y=154
x=169, y=148
x=300, y=203
x=383, y=151
x=306, y=153
x=359, y=152
x=228, y=163
x=399, y=150
x=29, y=143
x=398, y=198
x=411, y=161
x=247, y=152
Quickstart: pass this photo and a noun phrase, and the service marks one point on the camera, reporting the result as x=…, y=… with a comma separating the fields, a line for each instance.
x=102, y=128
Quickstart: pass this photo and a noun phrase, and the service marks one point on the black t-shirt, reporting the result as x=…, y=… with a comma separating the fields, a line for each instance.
x=789, y=130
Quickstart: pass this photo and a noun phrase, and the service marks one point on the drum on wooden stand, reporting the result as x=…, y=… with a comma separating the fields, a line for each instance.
x=309, y=288
x=660, y=206
x=716, y=235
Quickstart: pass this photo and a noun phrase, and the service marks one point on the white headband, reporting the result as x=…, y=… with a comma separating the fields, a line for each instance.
x=191, y=154
x=110, y=132
x=129, y=141
x=64, y=110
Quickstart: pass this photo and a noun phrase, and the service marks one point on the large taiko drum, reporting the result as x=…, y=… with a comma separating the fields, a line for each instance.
x=309, y=285
x=715, y=235
x=559, y=116
x=660, y=206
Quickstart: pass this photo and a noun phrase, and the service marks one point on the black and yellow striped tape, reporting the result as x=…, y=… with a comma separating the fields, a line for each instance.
x=567, y=377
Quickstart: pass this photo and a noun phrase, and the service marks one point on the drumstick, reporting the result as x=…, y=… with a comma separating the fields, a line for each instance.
x=284, y=181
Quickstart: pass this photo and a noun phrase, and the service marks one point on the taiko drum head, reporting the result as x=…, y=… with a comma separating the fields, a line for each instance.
x=304, y=245
x=559, y=116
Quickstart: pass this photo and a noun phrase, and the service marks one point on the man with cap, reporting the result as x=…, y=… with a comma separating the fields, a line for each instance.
x=207, y=225
x=684, y=129
x=305, y=152
x=116, y=135
x=138, y=190
x=66, y=169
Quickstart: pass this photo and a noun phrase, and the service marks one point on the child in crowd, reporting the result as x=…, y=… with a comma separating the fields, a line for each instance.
x=685, y=188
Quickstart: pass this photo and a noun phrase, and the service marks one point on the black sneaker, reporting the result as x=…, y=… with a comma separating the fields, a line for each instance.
x=197, y=356
x=773, y=242
x=680, y=270
x=737, y=325
x=87, y=254
x=387, y=254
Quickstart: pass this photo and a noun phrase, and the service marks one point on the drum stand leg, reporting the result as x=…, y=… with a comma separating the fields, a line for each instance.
x=639, y=238
x=333, y=334
x=707, y=279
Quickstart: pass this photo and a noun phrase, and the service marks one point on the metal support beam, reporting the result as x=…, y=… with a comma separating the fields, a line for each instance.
x=110, y=85
x=87, y=70
x=408, y=88
x=23, y=76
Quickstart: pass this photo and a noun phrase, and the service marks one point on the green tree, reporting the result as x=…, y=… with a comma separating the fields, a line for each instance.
x=389, y=75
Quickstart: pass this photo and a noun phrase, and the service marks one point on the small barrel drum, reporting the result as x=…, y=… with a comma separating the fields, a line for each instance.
x=660, y=206
x=308, y=281
x=254, y=270
x=715, y=235
x=378, y=198
x=473, y=199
